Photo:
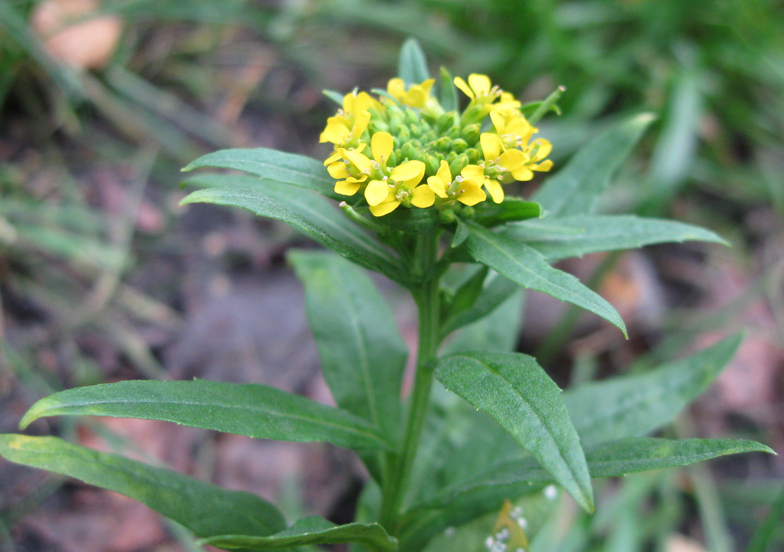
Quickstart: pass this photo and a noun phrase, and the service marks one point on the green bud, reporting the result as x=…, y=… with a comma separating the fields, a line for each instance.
x=408, y=151
x=453, y=132
x=446, y=121
x=404, y=134
x=451, y=156
x=447, y=216
x=468, y=212
x=378, y=125
x=443, y=144
x=471, y=133
x=432, y=165
x=392, y=161
x=412, y=117
x=458, y=164
x=392, y=110
x=459, y=145
x=416, y=131
x=395, y=123
x=474, y=155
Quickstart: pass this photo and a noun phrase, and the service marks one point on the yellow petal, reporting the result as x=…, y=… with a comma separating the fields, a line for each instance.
x=461, y=84
x=473, y=173
x=384, y=208
x=337, y=155
x=480, y=84
x=381, y=146
x=513, y=159
x=444, y=173
x=543, y=149
x=337, y=170
x=523, y=173
x=471, y=194
x=345, y=187
x=361, y=121
x=396, y=88
x=495, y=189
x=409, y=173
x=359, y=160
x=377, y=191
x=544, y=166
x=438, y=186
x=491, y=145
x=423, y=197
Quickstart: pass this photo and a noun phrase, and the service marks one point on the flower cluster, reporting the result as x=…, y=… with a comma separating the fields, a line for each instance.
x=405, y=149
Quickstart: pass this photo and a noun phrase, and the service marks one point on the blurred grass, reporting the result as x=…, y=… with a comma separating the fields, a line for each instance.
x=192, y=76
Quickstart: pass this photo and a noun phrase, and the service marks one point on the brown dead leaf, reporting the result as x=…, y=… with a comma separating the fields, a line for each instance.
x=71, y=36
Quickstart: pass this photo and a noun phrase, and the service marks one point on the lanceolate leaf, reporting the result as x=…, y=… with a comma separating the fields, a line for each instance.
x=362, y=352
x=245, y=409
x=497, y=289
x=575, y=188
x=290, y=168
x=308, y=212
x=519, y=395
x=559, y=238
x=412, y=66
x=204, y=509
x=631, y=406
x=311, y=531
x=526, y=266
x=614, y=459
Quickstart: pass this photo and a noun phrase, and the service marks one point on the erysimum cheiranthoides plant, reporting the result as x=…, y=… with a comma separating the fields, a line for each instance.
x=420, y=184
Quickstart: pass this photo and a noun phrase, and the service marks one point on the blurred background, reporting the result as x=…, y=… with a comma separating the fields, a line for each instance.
x=103, y=277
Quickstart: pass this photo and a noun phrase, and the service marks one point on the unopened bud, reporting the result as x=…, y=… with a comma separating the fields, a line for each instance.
x=431, y=164
x=459, y=145
x=458, y=164
x=446, y=121
x=471, y=133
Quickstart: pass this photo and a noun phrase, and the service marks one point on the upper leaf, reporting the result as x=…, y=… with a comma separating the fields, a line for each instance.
x=244, y=409
x=519, y=395
x=204, y=509
x=575, y=188
x=526, y=266
x=310, y=531
x=559, y=238
x=631, y=406
x=310, y=213
x=362, y=352
x=289, y=168
x=412, y=66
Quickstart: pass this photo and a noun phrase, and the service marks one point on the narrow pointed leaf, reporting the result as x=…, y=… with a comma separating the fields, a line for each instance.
x=290, y=168
x=559, y=238
x=518, y=394
x=575, y=188
x=311, y=531
x=497, y=289
x=632, y=406
x=362, y=353
x=412, y=66
x=526, y=266
x=244, y=409
x=204, y=509
x=311, y=214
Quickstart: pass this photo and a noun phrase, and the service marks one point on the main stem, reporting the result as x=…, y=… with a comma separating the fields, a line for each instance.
x=427, y=301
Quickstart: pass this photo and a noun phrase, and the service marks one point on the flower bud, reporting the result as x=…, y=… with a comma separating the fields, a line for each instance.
x=471, y=133
x=404, y=134
x=458, y=164
x=408, y=151
x=431, y=165
x=446, y=121
x=468, y=212
x=447, y=216
x=474, y=156
x=443, y=144
x=459, y=145
x=451, y=156
x=412, y=117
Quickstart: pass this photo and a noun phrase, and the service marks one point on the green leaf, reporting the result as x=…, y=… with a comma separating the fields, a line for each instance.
x=614, y=459
x=575, y=188
x=631, y=406
x=559, y=238
x=519, y=395
x=496, y=290
x=289, y=168
x=204, y=509
x=244, y=409
x=412, y=67
x=526, y=266
x=512, y=209
x=311, y=214
x=362, y=353
x=499, y=331
x=448, y=95
x=483, y=492
x=311, y=531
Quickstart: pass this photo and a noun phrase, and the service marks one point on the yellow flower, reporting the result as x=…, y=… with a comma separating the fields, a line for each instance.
x=478, y=87
x=502, y=167
x=417, y=95
x=400, y=186
x=345, y=128
x=537, y=151
x=514, y=130
x=465, y=188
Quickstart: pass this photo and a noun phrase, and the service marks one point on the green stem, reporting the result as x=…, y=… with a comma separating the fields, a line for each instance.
x=427, y=301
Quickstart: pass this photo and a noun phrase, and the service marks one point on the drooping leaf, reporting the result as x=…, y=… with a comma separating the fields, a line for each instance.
x=526, y=266
x=412, y=66
x=244, y=409
x=289, y=168
x=311, y=214
x=362, y=352
x=575, y=188
x=519, y=395
x=559, y=238
x=204, y=509
x=310, y=531
x=632, y=406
